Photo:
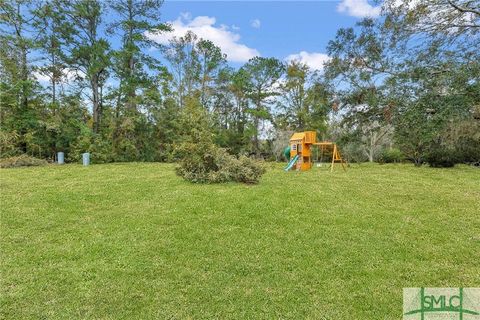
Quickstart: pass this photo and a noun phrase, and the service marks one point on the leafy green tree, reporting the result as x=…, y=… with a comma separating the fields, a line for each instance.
x=211, y=60
x=89, y=53
x=184, y=61
x=442, y=21
x=135, y=70
x=359, y=66
x=53, y=33
x=18, y=87
x=304, y=103
x=137, y=18
x=263, y=76
x=294, y=94
x=436, y=81
x=431, y=106
x=229, y=111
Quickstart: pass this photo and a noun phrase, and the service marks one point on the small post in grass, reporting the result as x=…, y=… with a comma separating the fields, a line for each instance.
x=60, y=158
x=86, y=158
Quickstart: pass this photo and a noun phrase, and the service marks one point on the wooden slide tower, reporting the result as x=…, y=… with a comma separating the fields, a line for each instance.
x=301, y=151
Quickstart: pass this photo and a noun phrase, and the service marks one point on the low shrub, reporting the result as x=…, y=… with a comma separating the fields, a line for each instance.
x=392, y=155
x=207, y=163
x=441, y=157
x=21, y=161
x=249, y=170
x=468, y=150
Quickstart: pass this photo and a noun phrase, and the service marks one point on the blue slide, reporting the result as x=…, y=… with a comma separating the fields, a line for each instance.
x=291, y=163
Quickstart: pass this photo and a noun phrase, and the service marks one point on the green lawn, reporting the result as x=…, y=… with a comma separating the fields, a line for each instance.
x=134, y=241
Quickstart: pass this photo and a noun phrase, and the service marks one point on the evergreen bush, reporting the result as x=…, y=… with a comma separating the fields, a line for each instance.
x=441, y=157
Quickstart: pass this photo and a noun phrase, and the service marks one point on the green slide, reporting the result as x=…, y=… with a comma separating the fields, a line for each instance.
x=291, y=163
x=286, y=153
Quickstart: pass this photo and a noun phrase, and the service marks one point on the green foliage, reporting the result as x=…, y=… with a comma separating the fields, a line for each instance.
x=206, y=163
x=441, y=156
x=100, y=149
x=200, y=160
x=468, y=150
x=166, y=132
x=464, y=137
x=89, y=53
x=122, y=104
x=247, y=170
x=21, y=161
x=353, y=152
x=8, y=144
x=413, y=133
x=194, y=123
x=388, y=76
x=139, y=75
x=262, y=74
x=304, y=100
x=392, y=155
x=201, y=163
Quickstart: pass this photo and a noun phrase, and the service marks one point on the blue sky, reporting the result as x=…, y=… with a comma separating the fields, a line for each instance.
x=268, y=28
x=287, y=30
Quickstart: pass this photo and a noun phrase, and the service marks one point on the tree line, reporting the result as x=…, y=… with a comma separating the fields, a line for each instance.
x=404, y=85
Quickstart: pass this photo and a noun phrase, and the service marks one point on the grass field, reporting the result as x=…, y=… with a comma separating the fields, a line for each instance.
x=134, y=241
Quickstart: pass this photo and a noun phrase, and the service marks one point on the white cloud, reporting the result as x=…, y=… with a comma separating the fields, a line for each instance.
x=186, y=15
x=358, y=9
x=255, y=23
x=314, y=60
x=41, y=77
x=204, y=27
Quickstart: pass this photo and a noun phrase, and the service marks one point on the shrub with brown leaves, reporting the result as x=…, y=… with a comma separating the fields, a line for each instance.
x=21, y=161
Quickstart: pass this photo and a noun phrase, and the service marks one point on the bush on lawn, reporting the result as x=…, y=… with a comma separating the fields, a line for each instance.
x=468, y=150
x=21, y=161
x=439, y=157
x=392, y=155
x=459, y=142
x=201, y=160
x=207, y=163
x=249, y=170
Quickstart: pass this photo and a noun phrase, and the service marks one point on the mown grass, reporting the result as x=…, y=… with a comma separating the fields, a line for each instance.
x=134, y=241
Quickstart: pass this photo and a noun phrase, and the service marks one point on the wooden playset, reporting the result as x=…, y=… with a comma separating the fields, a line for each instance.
x=300, y=148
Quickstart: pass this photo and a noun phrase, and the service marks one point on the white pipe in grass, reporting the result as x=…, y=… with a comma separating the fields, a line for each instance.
x=60, y=158
x=86, y=158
